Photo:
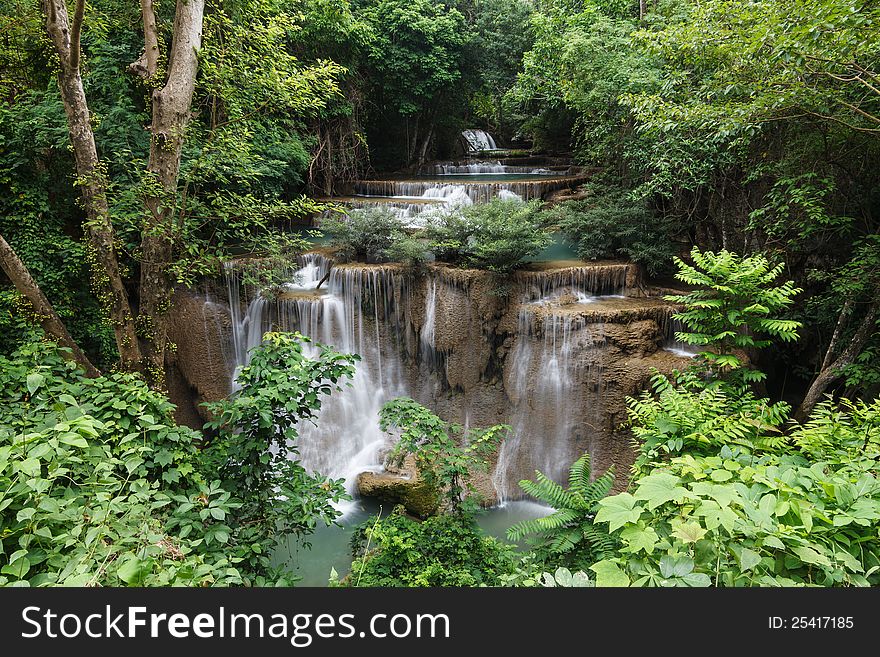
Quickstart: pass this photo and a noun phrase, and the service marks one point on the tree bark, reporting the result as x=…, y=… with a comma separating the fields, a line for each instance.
x=147, y=65
x=91, y=180
x=21, y=278
x=171, y=111
x=830, y=370
x=643, y=9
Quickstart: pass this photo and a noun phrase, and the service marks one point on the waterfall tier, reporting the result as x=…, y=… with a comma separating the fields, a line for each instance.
x=477, y=191
x=555, y=359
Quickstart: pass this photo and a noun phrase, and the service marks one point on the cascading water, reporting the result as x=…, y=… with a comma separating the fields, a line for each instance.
x=549, y=386
x=676, y=346
x=354, y=316
x=477, y=189
x=479, y=140
x=483, y=168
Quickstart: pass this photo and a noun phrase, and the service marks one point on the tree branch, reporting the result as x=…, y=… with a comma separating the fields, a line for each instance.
x=76, y=33
x=21, y=278
x=147, y=65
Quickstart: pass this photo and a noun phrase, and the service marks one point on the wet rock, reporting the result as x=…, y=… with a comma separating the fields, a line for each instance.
x=402, y=485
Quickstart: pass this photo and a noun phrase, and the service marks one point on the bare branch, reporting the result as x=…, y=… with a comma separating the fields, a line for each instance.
x=147, y=65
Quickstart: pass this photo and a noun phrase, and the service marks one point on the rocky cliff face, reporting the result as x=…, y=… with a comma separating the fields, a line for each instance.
x=555, y=357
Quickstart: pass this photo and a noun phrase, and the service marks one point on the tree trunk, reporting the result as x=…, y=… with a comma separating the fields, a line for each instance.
x=830, y=370
x=21, y=278
x=643, y=9
x=171, y=111
x=91, y=179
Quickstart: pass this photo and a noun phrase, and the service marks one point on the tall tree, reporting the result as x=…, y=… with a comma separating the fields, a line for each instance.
x=171, y=105
x=91, y=178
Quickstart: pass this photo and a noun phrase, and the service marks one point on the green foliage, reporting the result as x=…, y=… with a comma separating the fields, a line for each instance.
x=446, y=550
x=255, y=453
x=736, y=302
x=497, y=236
x=611, y=223
x=568, y=535
x=412, y=252
x=687, y=416
x=364, y=234
x=446, y=454
x=100, y=488
x=737, y=519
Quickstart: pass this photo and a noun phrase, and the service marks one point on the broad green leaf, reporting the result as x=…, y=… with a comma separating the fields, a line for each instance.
x=659, y=488
x=34, y=381
x=618, y=510
x=748, y=559
x=809, y=555
x=639, y=538
x=609, y=574
x=675, y=567
x=690, y=532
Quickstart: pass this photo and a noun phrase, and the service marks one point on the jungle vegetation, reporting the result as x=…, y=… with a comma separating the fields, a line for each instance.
x=144, y=144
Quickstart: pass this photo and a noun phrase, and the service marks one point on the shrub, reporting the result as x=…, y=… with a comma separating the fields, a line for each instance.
x=99, y=487
x=448, y=550
x=497, y=236
x=364, y=234
x=610, y=224
x=569, y=535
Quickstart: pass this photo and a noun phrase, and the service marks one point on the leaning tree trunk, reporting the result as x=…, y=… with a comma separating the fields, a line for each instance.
x=171, y=110
x=91, y=180
x=21, y=278
x=830, y=370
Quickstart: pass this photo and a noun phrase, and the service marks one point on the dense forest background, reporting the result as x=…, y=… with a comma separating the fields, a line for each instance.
x=141, y=145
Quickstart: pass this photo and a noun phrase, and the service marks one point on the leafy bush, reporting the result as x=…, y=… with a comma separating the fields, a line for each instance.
x=497, y=236
x=409, y=251
x=611, y=224
x=736, y=519
x=255, y=453
x=447, y=550
x=687, y=416
x=364, y=234
x=722, y=497
x=99, y=487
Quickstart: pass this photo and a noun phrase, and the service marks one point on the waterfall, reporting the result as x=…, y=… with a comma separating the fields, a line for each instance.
x=478, y=191
x=426, y=336
x=551, y=386
x=479, y=140
x=676, y=346
x=585, y=282
x=357, y=314
x=482, y=168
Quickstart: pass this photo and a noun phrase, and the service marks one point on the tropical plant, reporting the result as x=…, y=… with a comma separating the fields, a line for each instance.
x=736, y=302
x=568, y=535
x=687, y=416
x=100, y=487
x=736, y=519
x=611, y=223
